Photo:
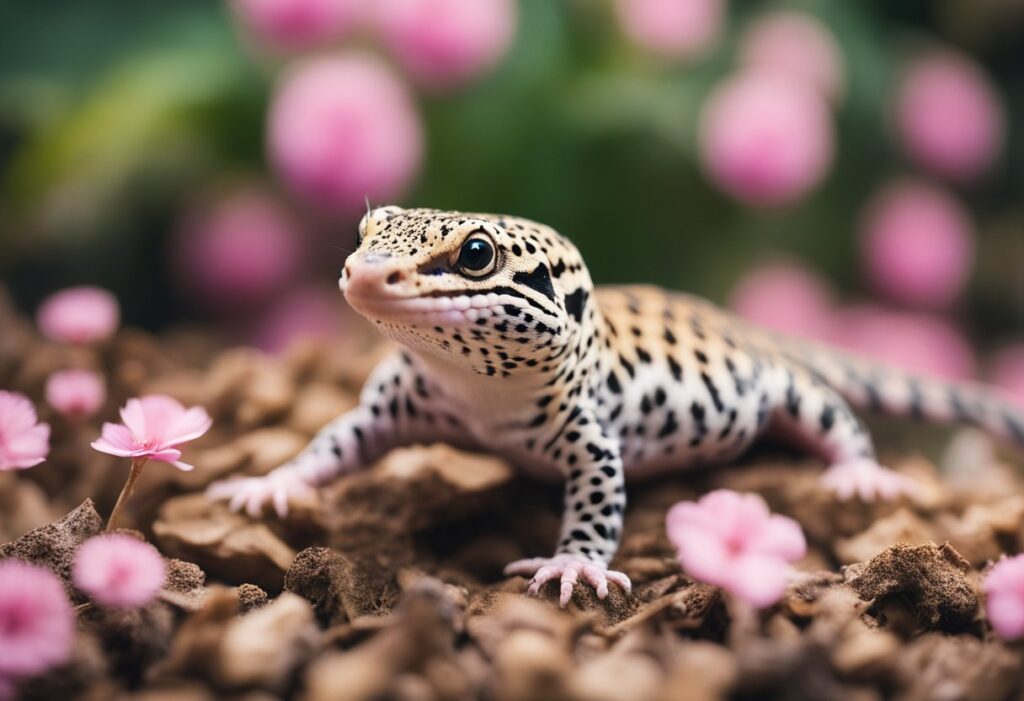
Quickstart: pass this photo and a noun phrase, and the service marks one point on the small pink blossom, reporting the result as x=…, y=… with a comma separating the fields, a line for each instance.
x=309, y=312
x=79, y=315
x=785, y=296
x=153, y=427
x=1004, y=597
x=795, y=45
x=675, y=29
x=36, y=620
x=344, y=129
x=238, y=251
x=765, y=140
x=75, y=393
x=446, y=43
x=1006, y=371
x=119, y=571
x=918, y=244
x=949, y=116
x=733, y=541
x=920, y=343
x=297, y=24
x=24, y=442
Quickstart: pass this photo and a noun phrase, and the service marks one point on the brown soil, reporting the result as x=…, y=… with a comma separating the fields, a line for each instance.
x=390, y=587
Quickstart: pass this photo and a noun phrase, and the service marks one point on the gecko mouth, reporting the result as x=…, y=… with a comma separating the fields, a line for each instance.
x=438, y=308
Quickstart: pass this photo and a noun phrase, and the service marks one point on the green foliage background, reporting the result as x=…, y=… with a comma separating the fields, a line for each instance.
x=114, y=114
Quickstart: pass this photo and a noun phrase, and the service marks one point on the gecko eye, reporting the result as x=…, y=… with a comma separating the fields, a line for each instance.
x=476, y=257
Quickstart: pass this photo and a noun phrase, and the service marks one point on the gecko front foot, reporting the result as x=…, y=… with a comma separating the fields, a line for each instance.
x=568, y=568
x=280, y=488
x=865, y=479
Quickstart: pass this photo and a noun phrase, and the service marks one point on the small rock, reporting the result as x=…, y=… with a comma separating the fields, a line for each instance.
x=251, y=597
x=264, y=647
x=339, y=590
x=54, y=545
x=225, y=544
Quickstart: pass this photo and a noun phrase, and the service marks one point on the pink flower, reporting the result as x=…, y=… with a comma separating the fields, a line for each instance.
x=446, y=43
x=343, y=129
x=949, y=116
x=297, y=24
x=36, y=620
x=239, y=251
x=765, y=140
x=676, y=29
x=309, y=312
x=1006, y=371
x=785, y=296
x=75, y=393
x=733, y=541
x=119, y=571
x=918, y=244
x=24, y=442
x=795, y=45
x=917, y=342
x=79, y=315
x=1004, y=597
x=153, y=428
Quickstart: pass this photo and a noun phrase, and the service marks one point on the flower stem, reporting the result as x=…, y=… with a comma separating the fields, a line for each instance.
x=126, y=492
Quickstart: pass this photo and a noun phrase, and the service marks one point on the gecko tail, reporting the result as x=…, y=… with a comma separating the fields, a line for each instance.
x=874, y=387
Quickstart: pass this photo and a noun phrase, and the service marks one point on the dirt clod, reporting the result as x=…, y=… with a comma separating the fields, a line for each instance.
x=931, y=579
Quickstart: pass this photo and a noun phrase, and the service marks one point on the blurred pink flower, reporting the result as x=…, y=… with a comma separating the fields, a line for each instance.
x=733, y=541
x=1006, y=371
x=24, y=442
x=949, y=116
x=445, y=43
x=309, y=312
x=765, y=140
x=79, y=315
x=675, y=29
x=119, y=571
x=36, y=620
x=154, y=426
x=785, y=296
x=918, y=342
x=1004, y=597
x=238, y=252
x=297, y=24
x=6, y=689
x=75, y=393
x=918, y=244
x=795, y=45
x=344, y=129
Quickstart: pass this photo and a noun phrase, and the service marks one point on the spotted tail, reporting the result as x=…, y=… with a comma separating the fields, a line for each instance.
x=875, y=387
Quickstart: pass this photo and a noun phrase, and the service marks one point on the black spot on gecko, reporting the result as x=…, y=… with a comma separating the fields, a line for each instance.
x=538, y=279
x=575, y=302
x=716, y=399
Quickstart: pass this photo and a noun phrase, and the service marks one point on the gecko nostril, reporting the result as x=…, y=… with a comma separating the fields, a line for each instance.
x=395, y=277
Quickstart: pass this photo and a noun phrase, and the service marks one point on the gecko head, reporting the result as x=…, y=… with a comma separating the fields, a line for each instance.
x=498, y=295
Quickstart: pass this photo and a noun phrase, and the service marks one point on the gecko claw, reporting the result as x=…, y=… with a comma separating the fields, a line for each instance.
x=866, y=480
x=568, y=568
x=252, y=494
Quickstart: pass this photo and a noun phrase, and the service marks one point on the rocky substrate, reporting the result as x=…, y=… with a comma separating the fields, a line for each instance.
x=390, y=587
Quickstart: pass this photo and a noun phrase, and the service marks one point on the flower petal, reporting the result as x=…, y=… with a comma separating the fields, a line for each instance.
x=760, y=581
x=1006, y=614
x=165, y=455
x=781, y=537
x=189, y=426
x=134, y=418
x=116, y=440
